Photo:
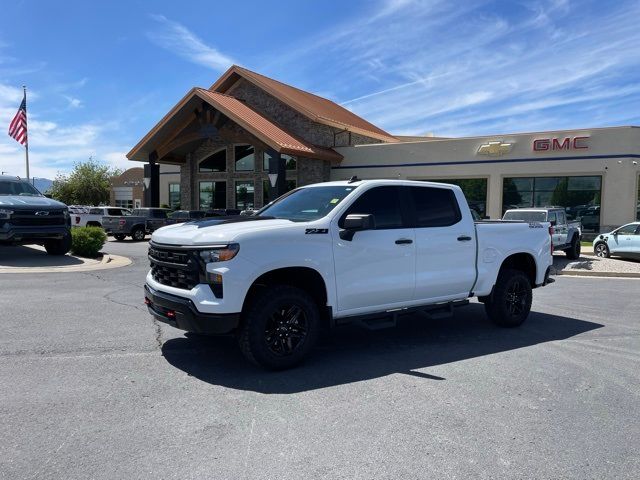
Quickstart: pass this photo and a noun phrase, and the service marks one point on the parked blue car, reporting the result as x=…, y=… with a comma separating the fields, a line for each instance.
x=624, y=241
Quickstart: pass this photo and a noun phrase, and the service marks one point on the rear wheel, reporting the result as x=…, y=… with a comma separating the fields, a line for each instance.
x=602, y=250
x=60, y=246
x=573, y=252
x=138, y=234
x=510, y=303
x=280, y=327
x=119, y=237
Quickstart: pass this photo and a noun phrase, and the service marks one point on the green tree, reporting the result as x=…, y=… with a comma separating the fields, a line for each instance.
x=89, y=183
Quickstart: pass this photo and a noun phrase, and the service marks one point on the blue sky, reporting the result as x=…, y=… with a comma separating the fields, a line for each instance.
x=100, y=74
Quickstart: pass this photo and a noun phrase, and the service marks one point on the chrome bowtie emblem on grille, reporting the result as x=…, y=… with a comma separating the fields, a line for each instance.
x=494, y=148
x=43, y=212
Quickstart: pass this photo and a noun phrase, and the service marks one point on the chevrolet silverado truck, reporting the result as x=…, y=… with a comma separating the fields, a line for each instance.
x=565, y=235
x=338, y=252
x=137, y=225
x=28, y=217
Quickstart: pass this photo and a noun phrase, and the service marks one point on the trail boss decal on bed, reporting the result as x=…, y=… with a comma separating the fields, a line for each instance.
x=314, y=231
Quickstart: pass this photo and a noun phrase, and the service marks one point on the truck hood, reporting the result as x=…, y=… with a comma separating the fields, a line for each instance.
x=215, y=230
x=28, y=202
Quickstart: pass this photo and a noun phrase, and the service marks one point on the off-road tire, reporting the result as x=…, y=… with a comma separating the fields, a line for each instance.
x=510, y=302
x=573, y=252
x=138, y=234
x=265, y=327
x=59, y=246
x=119, y=237
x=601, y=250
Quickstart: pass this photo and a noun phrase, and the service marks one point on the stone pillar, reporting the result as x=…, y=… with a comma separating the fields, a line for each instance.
x=186, y=194
x=277, y=166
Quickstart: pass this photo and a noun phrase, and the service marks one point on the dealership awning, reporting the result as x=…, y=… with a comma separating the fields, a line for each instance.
x=170, y=134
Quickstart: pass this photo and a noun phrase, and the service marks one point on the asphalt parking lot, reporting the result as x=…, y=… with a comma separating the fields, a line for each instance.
x=93, y=388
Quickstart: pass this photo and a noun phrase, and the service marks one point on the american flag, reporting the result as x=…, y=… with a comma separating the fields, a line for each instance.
x=18, y=126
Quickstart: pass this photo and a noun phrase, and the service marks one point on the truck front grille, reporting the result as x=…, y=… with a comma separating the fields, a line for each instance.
x=37, y=218
x=174, y=268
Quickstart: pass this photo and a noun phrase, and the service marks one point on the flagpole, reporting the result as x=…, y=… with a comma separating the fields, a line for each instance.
x=26, y=145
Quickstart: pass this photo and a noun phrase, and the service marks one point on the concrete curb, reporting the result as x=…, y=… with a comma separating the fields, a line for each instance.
x=590, y=273
x=108, y=261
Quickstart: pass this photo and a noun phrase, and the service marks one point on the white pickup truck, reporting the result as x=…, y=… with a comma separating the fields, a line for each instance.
x=339, y=252
x=93, y=216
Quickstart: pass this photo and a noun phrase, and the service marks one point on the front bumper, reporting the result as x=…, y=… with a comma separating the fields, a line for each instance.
x=32, y=233
x=181, y=313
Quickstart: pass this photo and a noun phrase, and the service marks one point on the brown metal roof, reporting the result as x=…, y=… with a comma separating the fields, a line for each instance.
x=312, y=106
x=264, y=129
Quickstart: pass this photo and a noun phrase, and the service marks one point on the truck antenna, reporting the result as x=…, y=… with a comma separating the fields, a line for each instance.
x=354, y=179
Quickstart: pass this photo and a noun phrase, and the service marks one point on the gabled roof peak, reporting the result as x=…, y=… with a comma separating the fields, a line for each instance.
x=314, y=107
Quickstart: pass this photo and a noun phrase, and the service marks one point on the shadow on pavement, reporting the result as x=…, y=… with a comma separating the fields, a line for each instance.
x=351, y=354
x=33, y=256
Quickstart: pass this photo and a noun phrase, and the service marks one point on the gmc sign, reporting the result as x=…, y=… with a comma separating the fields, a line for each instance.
x=567, y=143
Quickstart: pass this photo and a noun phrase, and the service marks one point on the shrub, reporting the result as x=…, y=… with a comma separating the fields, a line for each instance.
x=87, y=241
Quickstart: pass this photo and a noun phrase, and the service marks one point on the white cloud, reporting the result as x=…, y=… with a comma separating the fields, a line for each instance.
x=73, y=102
x=466, y=68
x=178, y=39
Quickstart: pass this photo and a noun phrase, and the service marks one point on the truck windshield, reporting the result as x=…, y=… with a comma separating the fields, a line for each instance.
x=15, y=187
x=307, y=204
x=526, y=216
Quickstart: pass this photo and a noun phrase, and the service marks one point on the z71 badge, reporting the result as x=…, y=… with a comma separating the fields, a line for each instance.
x=311, y=231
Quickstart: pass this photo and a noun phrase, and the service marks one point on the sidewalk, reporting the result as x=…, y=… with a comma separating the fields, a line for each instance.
x=34, y=259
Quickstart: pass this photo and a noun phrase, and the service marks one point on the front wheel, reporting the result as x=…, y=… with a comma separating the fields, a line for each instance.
x=119, y=237
x=510, y=303
x=602, y=250
x=280, y=327
x=60, y=246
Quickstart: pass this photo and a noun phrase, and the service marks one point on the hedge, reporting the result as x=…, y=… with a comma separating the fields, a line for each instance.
x=87, y=241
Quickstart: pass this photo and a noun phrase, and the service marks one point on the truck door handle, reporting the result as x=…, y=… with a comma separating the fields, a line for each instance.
x=403, y=241
x=464, y=238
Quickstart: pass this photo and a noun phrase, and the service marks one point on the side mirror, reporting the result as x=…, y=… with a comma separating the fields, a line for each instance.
x=355, y=223
x=48, y=195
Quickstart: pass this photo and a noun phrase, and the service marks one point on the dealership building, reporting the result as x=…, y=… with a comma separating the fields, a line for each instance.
x=248, y=139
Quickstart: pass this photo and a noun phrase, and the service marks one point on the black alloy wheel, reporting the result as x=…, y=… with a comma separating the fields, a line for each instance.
x=280, y=325
x=516, y=297
x=286, y=330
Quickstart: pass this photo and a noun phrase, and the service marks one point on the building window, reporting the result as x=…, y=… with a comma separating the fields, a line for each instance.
x=291, y=163
x=579, y=196
x=291, y=184
x=124, y=203
x=174, y=195
x=244, y=195
x=475, y=191
x=213, y=195
x=216, y=162
x=245, y=158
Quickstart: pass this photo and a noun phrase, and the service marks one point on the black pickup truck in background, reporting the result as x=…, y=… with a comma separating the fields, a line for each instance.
x=141, y=222
x=28, y=217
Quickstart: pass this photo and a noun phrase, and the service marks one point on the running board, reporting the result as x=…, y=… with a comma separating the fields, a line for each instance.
x=388, y=319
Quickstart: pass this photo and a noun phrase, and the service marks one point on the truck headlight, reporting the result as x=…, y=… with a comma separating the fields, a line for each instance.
x=220, y=254
x=5, y=214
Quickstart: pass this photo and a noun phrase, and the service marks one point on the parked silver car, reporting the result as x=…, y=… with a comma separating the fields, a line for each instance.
x=624, y=241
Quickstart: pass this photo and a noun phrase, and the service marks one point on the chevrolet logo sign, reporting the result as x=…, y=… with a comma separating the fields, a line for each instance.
x=494, y=149
x=42, y=212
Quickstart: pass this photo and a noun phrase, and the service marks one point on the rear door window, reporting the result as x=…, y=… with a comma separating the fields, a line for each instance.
x=381, y=202
x=435, y=207
x=95, y=211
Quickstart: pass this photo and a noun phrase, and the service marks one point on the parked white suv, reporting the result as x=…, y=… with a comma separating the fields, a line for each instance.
x=340, y=252
x=93, y=216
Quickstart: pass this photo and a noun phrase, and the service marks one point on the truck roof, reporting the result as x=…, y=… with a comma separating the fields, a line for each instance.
x=534, y=209
x=381, y=181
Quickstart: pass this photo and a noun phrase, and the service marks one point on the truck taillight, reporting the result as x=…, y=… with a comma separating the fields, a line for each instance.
x=122, y=221
x=551, y=235
x=77, y=219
